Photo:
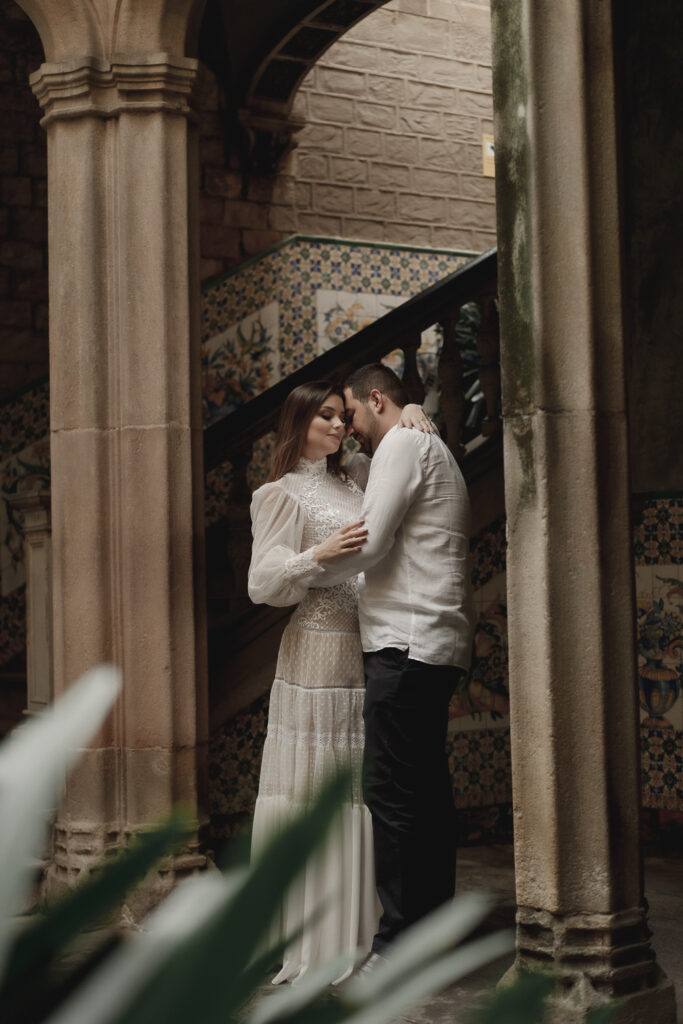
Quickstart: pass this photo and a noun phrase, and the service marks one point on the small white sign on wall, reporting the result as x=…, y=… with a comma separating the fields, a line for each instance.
x=487, y=155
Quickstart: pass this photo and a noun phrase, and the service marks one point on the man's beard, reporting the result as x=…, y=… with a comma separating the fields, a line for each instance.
x=364, y=444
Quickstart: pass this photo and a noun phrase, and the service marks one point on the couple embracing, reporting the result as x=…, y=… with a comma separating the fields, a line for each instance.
x=375, y=556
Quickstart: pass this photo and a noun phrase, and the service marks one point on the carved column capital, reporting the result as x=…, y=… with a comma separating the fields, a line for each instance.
x=128, y=83
x=34, y=512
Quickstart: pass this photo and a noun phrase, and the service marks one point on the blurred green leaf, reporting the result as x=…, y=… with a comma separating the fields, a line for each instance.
x=33, y=760
x=290, y=1000
x=441, y=930
x=94, y=900
x=236, y=934
x=195, y=960
x=603, y=1015
x=203, y=955
x=384, y=1005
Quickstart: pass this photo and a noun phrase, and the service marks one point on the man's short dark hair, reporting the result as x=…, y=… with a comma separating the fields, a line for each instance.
x=376, y=375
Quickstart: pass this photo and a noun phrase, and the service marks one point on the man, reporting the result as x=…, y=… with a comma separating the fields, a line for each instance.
x=416, y=622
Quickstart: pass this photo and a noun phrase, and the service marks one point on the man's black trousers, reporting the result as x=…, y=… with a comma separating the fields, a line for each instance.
x=407, y=786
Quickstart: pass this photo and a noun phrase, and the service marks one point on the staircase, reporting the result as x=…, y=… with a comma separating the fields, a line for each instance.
x=243, y=639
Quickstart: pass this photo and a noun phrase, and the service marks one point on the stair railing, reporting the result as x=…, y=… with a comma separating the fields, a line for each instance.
x=232, y=437
x=233, y=622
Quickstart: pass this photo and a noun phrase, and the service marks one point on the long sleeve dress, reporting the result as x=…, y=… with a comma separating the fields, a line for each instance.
x=315, y=723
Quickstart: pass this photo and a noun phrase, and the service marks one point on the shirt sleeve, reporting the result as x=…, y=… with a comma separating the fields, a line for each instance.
x=394, y=483
x=279, y=573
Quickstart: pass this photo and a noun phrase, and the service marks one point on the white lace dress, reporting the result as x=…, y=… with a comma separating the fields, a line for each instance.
x=315, y=723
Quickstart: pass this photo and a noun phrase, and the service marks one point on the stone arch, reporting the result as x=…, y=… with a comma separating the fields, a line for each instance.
x=300, y=44
x=115, y=89
x=70, y=29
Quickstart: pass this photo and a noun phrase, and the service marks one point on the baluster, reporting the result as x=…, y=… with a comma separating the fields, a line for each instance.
x=412, y=381
x=240, y=492
x=488, y=347
x=451, y=398
x=239, y=530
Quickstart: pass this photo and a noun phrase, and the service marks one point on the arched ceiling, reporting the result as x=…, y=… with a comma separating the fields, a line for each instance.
x=260, y=52
x=270, y=45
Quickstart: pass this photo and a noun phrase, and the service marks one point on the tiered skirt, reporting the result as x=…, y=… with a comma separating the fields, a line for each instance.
x=315, y=728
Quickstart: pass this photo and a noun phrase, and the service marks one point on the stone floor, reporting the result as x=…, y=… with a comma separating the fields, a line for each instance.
x=491, y=869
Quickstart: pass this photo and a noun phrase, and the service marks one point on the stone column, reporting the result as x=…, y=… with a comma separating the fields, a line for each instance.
x=34, y=510
x=574, y=720
x=126, y=438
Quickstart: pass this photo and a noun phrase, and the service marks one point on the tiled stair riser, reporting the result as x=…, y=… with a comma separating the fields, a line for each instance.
x=267, y=319
x=479, y=738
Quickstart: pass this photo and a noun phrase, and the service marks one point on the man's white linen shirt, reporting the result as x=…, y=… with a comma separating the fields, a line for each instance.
x=416, y=595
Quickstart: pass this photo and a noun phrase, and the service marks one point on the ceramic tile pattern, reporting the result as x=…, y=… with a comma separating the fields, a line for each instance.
x=479, y=737
x=25, y=468
x=267, y=319
x=307, y=278
x=258, y=323
x=658, y=548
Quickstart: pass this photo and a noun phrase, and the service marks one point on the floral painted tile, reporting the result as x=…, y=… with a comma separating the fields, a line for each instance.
x=293, y=275
x=341, y=314
x=485, y=691
x=660, y=650
x=487, y=553
x=240, y=362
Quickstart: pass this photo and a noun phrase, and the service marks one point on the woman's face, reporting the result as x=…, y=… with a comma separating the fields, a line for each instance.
x=326, y=429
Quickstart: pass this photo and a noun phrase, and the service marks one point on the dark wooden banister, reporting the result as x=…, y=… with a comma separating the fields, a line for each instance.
x=401, y=327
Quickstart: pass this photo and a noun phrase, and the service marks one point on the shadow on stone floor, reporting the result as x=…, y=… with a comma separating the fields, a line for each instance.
x=491, y=869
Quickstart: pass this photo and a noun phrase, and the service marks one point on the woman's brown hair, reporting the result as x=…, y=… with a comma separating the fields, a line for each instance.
x=301, y=405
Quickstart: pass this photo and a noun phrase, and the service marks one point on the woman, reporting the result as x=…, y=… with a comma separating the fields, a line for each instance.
x=307, y=515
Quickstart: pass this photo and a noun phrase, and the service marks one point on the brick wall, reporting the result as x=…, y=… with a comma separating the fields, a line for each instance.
x=391, y=148
x=23, y=208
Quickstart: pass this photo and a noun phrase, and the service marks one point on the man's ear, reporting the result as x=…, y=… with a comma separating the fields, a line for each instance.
x=376, y=399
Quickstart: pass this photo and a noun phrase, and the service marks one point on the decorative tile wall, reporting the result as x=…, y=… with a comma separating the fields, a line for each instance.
x=272, y=315
x=478, y=743
x=259, y=323
x=24, y=469
x=479, y=736
x=658, y=548
x=316, y=292
x=241, y=361
x=262, y=322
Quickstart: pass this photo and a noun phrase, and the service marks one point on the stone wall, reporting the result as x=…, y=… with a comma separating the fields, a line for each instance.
x=390, y=152
x=391, y=149
x=478, y=742
x=23, y=208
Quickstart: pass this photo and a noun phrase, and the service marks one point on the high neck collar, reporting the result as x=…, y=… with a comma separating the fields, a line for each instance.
x=317, y=468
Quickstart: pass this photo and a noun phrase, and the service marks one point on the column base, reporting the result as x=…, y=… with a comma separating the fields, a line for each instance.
x=597, y=959
x=78, y=851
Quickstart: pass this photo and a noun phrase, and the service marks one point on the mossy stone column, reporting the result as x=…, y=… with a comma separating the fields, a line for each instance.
x=574, y=719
